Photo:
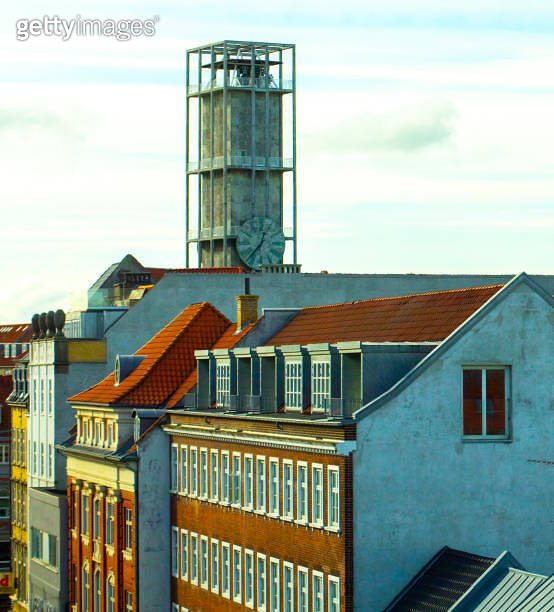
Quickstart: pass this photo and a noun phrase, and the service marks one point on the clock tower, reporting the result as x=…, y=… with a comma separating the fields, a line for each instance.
x=241, y=154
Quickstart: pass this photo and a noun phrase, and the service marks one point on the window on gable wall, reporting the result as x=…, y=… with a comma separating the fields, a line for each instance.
x=486, y=387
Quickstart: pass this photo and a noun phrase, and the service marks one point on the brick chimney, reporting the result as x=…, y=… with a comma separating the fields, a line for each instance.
x=247, y=306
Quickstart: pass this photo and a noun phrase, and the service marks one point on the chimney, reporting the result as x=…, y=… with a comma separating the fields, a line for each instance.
x=247, y=306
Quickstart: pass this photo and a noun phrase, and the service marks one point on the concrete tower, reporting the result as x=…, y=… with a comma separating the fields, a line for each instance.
x=241, y=153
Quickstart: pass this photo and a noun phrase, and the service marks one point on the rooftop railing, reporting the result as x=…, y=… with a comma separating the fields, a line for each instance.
x=340, y=408
x=240, y=82
x=242, y=161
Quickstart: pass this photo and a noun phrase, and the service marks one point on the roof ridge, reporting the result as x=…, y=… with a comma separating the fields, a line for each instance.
x=399, y=297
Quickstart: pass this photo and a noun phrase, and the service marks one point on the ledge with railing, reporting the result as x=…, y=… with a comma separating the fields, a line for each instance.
x=339, y=407
x=259, y=162
x=241, y=82
x=218, y=232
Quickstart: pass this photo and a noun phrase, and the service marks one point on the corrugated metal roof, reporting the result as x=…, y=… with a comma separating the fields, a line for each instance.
x=541, y=599
x=511, y=591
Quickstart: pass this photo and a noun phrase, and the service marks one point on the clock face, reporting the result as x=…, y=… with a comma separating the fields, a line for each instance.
x=260, y=241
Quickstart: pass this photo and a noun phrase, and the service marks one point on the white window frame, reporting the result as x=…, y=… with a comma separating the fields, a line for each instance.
x=321, y=383
x=225, y=479
x=293, y=384
x=204, y=563
x=222, y=383
x=249, y=577
x=333, y=493
x=288, y=490
x=304, y=572
x=184, y=554
x=128, y=533
x=214, y=474
x=274, y=585
x=203, y=471
x=248, y=501
x=317, y=495
x=174, y=460
x=273, y=479
x=261, y=582
x=288, y=587
x=261, y=484
x=333, y=604
x=175, y=551
x=236, y=481
x=301, y=486
x=237, y=573
x=226, y=570
x=193, y=565
x=319, y=605
x=193, y=474
x=214, y=566
x=184, y=469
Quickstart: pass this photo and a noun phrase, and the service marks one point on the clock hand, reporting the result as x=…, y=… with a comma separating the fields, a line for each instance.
x=257, y=246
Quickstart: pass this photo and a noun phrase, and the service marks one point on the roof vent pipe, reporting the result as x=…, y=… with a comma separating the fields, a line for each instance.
x=125, y=365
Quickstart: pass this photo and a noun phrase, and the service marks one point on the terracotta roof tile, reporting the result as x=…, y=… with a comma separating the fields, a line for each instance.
x=423, y=317
x=15, y=332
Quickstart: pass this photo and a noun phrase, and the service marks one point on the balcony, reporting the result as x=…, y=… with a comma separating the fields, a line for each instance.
x=240, y=82
x=258, y=162
x=218, y=232
x=340, y=408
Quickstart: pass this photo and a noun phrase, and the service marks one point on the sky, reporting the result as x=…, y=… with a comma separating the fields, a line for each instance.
x=424, y=131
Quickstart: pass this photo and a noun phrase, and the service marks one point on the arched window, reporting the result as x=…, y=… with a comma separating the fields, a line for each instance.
x=85, y=588
x=97, y=591
x=110, y=594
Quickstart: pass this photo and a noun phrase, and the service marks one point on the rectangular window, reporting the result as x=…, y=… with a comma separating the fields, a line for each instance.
x=237, y=483
x=288, y=489
x=274, y=586
x=42, y=399
x=50, y=461
x=303, y=589
x=261, y=589
x=98, y=432
x=333, y=496
x=128, y=601
x=175, y=551
x=184, y=554
x=110, y=519
x=288, y=587
x=321, y=383
x=226, y=570
x=193, y=471
x=249, y=579
x=317, y=592
x=214, y=475
x=204, y=562
x=317, y=494
x=225, y=477
x=489, y=387
x=215, y=566
x=184, y=450
x=85, y=513
x=248, y=482
x=204, y=473
x=302, y=492
x=97, y=508
x=34, y=457
x=333, y=594
x=194, y=558
x=274, y=486
x=260, y=484
x=237, y=574
x=222, y=384
x=293, y=385
x=42, y=458
x=174, y=468
x=128, y=529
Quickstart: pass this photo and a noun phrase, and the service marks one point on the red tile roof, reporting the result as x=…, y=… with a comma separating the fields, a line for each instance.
x=169, y=359
x=15, y=332
x=423, y=317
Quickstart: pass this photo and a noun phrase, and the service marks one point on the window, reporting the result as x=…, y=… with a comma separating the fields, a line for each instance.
x=50, y=461
x=4, y=499
x=85, y=513
x=4, y=453
x=204, y=562
x=42, y=458
x=274, y=586
x=249, y=579
x=237, y=574
x=214, y=475
x=51, y=397
x=248, y=482
x=317, y=592
x=128, y=601
x=225, y=477
x=489, y=387
x=184, y=554
x=174, y=468
x=317, y=495
x=35, y=396
x=236, y=480
x=110, y=518
x=42, y=399
x=110, y=594
x=333, y=511
x=98, y=432
x=175, y=552
x=128, y=529
x=85, y=602
x=215, y=566
x=274, y=486
x=293, y=384
x=96, y=508
x=260, y=484
x=288, y=489
x=321, y=383
x=302, y=484
x=36, y=543
x=97, y=591
x=194, y=558
x=333, y=594
x=204, y=473
x=222, y=384
x=184, y=469
x=303, y=594
x=193, y=471
x=111, y=437
x=261, y=583
x=288, y=587
x=34, y=457
x=226, y=570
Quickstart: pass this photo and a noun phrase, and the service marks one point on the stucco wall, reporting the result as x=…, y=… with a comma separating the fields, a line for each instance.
x=419, y=487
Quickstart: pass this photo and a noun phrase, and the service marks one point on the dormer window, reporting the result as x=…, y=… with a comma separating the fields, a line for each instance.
x=293, y=385
x=321, y=383
x=223, y=384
